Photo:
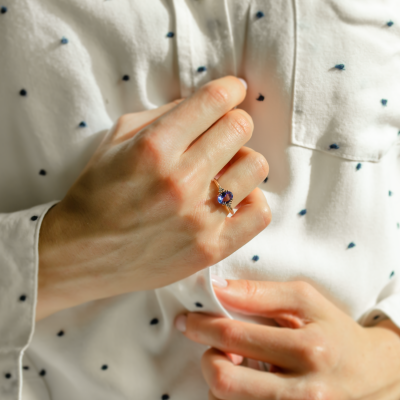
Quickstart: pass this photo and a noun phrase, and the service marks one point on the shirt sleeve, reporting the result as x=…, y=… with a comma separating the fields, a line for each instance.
x=19, y=239
x=387, y=305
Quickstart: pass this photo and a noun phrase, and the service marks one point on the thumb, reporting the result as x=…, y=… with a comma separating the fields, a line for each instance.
x=128, y=125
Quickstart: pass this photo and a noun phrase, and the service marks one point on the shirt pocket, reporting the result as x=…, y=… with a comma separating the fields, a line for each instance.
x=347, y=77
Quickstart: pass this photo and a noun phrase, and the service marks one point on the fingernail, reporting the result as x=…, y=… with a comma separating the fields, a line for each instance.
x=244, y=82
x=180, y=323
x=218, y=281
x=235, y=358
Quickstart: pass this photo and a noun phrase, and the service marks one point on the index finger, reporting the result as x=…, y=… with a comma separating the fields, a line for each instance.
x=178, y=128
x=292, y=304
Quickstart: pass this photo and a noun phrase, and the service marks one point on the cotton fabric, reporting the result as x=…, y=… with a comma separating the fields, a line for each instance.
x=324, y=93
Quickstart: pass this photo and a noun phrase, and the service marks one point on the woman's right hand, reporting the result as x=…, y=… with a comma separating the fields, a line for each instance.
x=143, y=213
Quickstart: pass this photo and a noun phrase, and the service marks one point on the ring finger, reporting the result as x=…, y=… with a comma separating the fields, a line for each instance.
x=246, y=171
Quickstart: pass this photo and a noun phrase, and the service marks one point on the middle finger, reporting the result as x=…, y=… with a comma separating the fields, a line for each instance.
x=213, y=150
x=277, y=346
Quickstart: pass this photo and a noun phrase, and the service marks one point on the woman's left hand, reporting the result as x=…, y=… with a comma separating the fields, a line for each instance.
x=318, y=352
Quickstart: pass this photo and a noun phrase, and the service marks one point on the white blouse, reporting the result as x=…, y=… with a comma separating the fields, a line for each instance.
x=324, y=93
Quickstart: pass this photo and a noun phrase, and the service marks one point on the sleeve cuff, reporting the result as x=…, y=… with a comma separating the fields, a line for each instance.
x=387, y=308
x=19, y=259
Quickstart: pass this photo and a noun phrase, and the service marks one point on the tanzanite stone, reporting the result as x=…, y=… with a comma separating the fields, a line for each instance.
x=225, y=197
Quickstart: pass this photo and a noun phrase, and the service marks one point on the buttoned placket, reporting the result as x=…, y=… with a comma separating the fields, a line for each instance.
x=214, y=50
x=204, y=40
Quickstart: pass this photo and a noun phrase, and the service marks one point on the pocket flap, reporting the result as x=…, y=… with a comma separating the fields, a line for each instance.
x=347, y=77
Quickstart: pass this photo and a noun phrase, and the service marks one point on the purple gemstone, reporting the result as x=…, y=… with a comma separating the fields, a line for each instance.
x=225, y=197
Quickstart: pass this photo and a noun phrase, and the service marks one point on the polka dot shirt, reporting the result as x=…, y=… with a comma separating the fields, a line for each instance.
x=324, y=94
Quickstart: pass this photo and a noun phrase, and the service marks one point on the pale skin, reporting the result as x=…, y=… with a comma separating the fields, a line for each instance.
x=143, y=214
x=317, y=351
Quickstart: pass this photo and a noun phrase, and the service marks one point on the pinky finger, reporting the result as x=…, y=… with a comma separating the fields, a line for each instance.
x=252, y=217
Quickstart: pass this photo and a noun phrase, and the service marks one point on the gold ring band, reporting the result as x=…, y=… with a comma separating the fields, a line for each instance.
x=222, y=193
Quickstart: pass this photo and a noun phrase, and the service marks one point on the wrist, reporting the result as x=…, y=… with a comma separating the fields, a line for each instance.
x=59, y=254
x=385, y=361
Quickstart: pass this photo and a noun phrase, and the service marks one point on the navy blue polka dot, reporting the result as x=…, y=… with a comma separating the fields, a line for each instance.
x=170, y=34
x=64, y=40
x=22, y=297
x=61, y=333
x=351, y=245
x=7, y=376
x=260, y=97
x=34, y=218
x=126, y=78
x=201, y=69
x=42, y=172
x=23, y=92
x=255, y=258
x=359, y=165
x=340, y=67
x=334, y=146
x=104, y=367
x=165, y=397
x=42, y=372
x=384, y=102
x=154, y=321
x=390, y=192
x=259, y=14
x=391, y=275
x=3, y=10
x=265, y=180
x=390, y=23
x=25, y=367
x=82, y=124
x=303, y=212
x=198, y=304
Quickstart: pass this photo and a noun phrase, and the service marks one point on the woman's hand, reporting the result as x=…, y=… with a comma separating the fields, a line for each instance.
x=143, y=213
x=318, y=352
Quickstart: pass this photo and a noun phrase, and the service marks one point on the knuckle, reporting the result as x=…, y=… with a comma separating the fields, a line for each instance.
x=230, y=335
x=216, y=94
x=176, y=189
x=250, y=289
x=317, y=391
x=240, y=123
x=266, y=217
x=207, y=251
x=314, y=351
x=151, y=149
x=304, y=290
x=260, y=164
x=220, y=384
x=123, y=120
